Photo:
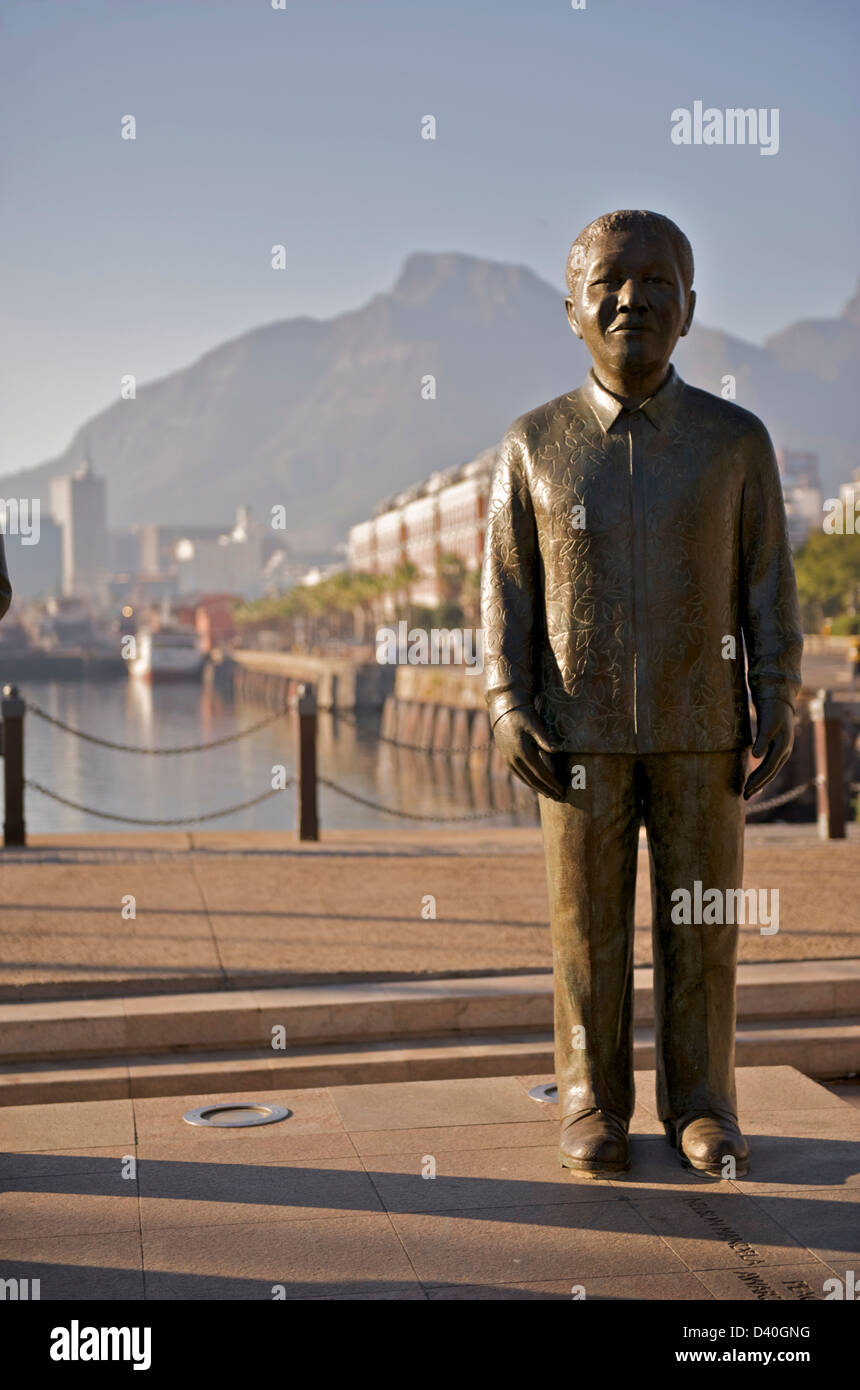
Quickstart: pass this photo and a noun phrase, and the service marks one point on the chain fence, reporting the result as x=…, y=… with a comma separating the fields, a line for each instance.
x=757, y=808
x=445, y=752
x=142, y=820
x=781, y=800
x=154, y=752
x=408, y=815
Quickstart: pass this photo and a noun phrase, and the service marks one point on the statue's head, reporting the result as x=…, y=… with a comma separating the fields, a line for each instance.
x=631, y=297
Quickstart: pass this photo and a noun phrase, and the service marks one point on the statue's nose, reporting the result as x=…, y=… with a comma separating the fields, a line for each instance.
x=630, y=295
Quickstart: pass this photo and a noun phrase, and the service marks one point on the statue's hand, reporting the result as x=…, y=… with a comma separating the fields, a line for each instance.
x=773, y=741
x=524, y=744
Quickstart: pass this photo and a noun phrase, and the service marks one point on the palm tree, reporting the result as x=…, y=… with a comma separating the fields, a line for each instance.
x=451, y=573
x=401, y=582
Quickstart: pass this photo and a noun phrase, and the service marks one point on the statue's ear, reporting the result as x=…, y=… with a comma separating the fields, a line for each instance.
x=690, y=311
x=570, y=309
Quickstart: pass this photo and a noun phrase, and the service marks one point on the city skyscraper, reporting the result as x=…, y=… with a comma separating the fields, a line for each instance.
x=79, y=506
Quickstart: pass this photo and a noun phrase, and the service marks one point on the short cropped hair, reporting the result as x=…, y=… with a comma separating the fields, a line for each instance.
x=653, y=223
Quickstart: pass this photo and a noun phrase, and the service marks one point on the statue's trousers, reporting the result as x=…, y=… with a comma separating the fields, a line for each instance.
x=693, y=812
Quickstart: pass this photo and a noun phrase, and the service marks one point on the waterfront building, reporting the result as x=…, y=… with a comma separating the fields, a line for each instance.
x=79, y=507
x=801, y=490
x=35, y=570
x=230, y=562
x=124, y=550
x=158, y=543
x=446, y=515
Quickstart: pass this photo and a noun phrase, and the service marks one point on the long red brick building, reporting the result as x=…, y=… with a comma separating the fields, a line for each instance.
x=446, y=515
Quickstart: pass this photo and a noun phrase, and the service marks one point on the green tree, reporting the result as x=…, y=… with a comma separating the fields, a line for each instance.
x=828, y=577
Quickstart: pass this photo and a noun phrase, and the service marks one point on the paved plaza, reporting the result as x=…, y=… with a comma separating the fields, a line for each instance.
x=232, y=910
x=123, y=1200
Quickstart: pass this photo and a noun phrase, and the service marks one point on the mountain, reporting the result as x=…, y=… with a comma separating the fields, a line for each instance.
x=327, y=416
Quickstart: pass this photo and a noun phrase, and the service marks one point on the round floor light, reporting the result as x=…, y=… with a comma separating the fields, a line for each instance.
x=547, y=1093
x=236, y=1114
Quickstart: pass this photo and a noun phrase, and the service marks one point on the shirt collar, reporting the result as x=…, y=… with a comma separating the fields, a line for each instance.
x=658, y=409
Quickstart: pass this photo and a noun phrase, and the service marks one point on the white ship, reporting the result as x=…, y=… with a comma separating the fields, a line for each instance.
x=170, y=653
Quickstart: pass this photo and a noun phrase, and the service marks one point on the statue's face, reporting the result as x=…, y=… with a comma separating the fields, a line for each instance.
x=631, y=304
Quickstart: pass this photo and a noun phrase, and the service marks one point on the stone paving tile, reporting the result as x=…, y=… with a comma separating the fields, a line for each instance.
x=62, y=921
x=72, y=1161
x=779, y=1088
x=451, y=1138
x=792, y=1283
x=419, y=1104
x=488, y=1178
x=160, y=1117
x=652, y=1287
x=115, y=956
x=571, y=1241
x=847, y=1090
x=77, y=1266
x=310, y=1259
x=91, y=1204
x=28, y=1128
x=645, y=1098
x=804, y=1152
x=825, y=1219
x=287, y=1148
x=538, y=1079
x=766, y=1120
x=718, y=1230
x=190, y=1194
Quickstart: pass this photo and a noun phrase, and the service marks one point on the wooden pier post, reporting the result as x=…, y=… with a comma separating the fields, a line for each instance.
x=307, y=763
x=12, y=709
x=827, y=741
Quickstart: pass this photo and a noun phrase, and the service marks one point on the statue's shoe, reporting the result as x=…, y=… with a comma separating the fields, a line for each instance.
x=704, y=1144
x=594, y=1142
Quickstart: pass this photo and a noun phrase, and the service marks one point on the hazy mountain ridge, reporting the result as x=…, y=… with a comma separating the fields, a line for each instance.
x=326, y=416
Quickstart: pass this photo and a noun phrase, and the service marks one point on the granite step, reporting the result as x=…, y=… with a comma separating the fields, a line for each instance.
x=56, y=1030
x=818, y=1047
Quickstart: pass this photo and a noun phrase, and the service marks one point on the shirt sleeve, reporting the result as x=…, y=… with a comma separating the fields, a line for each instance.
x=508, y=585
x=770, y=616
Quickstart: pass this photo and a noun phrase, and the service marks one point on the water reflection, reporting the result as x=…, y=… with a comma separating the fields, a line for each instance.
x=168, y=787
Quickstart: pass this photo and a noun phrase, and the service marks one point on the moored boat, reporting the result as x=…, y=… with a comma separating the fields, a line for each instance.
x=169, y=653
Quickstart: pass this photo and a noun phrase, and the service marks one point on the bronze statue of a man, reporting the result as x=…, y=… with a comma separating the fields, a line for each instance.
x=636, y=560
x=5, y=585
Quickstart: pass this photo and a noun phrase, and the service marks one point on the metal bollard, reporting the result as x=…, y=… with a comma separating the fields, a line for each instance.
x=827, y=743
x=12, y=709
x=307, y=763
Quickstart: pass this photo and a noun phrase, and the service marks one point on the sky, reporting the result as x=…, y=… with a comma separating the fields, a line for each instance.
x=301, y=126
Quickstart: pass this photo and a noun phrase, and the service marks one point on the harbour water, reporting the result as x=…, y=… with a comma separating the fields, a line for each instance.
x=196, y=784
